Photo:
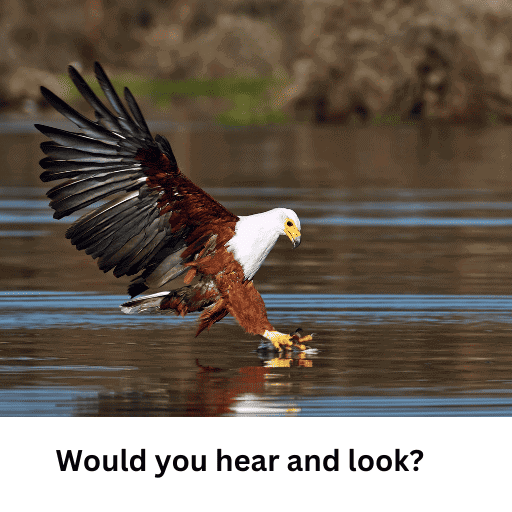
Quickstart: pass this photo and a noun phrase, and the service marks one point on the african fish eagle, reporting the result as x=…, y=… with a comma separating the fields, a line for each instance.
x=159, y=225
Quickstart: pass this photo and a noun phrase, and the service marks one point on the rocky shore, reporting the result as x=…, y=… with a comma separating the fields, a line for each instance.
x=333, y=61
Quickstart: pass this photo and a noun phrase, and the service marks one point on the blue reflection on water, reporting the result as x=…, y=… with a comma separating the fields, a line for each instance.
x=408, y=221
x=17, y=233
x=68, y=401
x=46, y=217
x=28, y=206
x=33, y=309
x=43, y=401
x=252, y=405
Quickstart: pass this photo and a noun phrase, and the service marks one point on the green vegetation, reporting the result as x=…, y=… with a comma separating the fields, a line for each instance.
x=250, y=109
x=249, y=96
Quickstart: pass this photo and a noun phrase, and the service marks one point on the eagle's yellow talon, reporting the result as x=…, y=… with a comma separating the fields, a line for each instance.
x=277, y=346
x=287, y=341
x=279, y=340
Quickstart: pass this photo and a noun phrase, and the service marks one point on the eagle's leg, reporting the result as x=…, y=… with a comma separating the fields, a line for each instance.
x=245, y=303
x=247, y=306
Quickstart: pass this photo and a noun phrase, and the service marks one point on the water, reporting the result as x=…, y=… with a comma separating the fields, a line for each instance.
x=403, y=274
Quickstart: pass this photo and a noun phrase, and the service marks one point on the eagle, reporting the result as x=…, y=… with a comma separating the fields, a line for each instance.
x=154, y=223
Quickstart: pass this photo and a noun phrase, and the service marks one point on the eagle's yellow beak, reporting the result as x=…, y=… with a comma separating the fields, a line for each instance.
x=292, y=232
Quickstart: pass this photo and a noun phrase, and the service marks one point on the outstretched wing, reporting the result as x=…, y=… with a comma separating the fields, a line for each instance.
x=154, y=219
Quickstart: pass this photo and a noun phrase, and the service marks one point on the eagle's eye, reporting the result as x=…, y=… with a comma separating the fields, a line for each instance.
x=289, y=223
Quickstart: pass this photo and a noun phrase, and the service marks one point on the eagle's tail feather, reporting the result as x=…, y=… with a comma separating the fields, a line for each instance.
x=145, y=303
x=186, y=299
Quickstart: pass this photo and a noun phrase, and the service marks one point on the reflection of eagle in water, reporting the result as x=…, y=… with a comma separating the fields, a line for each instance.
x=159, y=225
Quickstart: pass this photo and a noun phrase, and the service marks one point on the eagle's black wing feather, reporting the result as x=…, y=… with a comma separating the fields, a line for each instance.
x=116, y=160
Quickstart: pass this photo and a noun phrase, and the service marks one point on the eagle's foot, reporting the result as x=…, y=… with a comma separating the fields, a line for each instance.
x=279, y=340
x=288, y=341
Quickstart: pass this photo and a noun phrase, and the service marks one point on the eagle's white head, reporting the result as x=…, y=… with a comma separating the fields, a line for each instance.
x=255, y=235
x=288, y=224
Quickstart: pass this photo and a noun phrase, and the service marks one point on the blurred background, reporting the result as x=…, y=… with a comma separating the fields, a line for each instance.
x=383, y=124
x=261, y=61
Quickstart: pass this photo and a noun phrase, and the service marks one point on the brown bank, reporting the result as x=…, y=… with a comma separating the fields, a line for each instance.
x=388, y=61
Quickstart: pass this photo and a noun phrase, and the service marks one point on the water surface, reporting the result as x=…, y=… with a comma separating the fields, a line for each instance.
x=403, y=274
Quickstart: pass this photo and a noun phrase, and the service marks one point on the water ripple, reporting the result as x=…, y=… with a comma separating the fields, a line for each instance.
x=251, y=405
x=33, y=309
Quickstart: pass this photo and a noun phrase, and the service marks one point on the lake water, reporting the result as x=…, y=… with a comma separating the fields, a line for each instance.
x=404, y=275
